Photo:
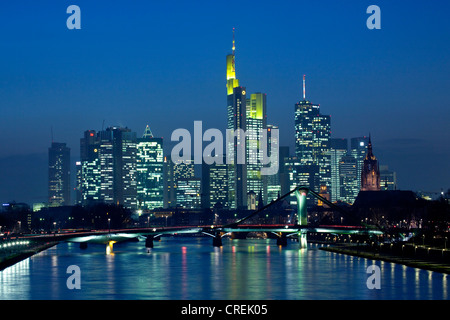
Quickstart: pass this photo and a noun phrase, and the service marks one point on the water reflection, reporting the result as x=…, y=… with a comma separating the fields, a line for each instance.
x=179, y=268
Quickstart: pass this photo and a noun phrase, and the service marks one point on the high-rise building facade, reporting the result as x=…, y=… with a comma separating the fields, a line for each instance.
x=108, y=167
x=348, y=179
x=256, y=122
x=214, y=190
x=358, y=149
x=173, y=172
x=188, y=192
x=236, y=123
x=338, y=149
x=149, y=171
x=312, y=145
x=59, y=174
x=388, y=178
x=273, y=182
x=89, y=175
x=300, y=174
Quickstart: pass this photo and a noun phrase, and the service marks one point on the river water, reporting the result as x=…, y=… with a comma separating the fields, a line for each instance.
x=191, y=268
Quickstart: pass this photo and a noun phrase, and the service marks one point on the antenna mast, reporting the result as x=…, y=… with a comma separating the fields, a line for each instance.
x=304, y=88
x=233, y=43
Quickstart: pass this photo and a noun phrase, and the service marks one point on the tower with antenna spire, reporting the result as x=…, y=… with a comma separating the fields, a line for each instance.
x=304, y=88
x=236, y=123
x=312, y=143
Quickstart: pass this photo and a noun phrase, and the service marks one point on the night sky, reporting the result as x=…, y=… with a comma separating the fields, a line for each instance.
x=162, y=63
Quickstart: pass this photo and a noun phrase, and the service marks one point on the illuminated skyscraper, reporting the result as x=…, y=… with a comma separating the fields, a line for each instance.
x=338, y=149
x=89, y=176
x=215, y=183
x=188, y=192
x=256, y=122
x=108, y=167
x=300, y=174
x=312, y=145
x=358, y=149
x=174, y=171
x=58, y=174
x=273, y=182
x=149, y=167
x=348, y=179
x=124, y=153
x=236, y=122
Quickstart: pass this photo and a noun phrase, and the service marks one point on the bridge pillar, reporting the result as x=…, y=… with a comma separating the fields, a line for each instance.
x=109, y=247
x=302, y=239
x=149, y=242
x=83, y=245
x=282, y=240
x=217, y=241
x=302, y=214
x=301, y=194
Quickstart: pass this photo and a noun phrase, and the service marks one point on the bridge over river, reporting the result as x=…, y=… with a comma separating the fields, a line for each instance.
x=216, y=232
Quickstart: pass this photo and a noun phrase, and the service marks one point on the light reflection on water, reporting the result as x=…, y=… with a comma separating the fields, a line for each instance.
x=191, y=268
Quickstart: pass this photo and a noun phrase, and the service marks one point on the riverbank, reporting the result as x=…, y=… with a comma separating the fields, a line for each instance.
x=8, y=259
x=409, y=255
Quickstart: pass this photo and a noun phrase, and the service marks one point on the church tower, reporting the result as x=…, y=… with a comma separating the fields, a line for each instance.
x=370, y=173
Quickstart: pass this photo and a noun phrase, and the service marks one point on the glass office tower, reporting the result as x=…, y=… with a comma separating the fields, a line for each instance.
x=236, y=123
x=59, y=175
x=256, y=122
x=312, y=142
x=149, y=168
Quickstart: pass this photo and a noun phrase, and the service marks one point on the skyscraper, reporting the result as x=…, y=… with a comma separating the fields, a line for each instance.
x=312, y=134
x=273, y=182
x=256, y=122
x=338, y=149
x=348, y=179
x=108, y=167
x=188, y=192
x=173, y=172
x=58, y=174
x=89, y=175
x=149, y=171
x=214, y=189
x=358, y=149
x=300, y=175
x=236, y=123
x=124, y=154
x=388, y=178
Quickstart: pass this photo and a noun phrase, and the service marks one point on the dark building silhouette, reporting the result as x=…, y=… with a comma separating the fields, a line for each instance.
x=58, y=174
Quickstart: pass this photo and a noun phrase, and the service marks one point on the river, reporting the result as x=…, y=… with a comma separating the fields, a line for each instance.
x=189, y=268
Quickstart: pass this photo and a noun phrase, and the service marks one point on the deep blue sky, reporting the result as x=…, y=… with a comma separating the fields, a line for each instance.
x=162, y=63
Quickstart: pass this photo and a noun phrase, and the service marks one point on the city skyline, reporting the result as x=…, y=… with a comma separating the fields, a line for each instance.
x=351, y=86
